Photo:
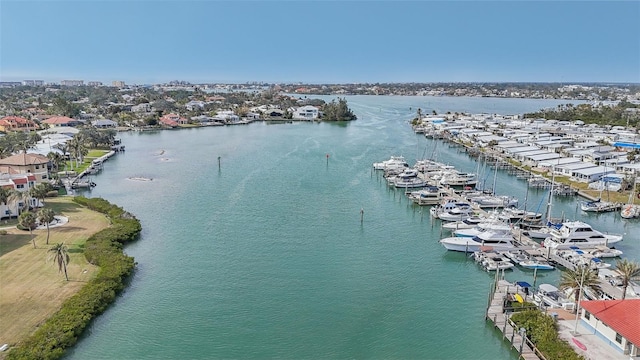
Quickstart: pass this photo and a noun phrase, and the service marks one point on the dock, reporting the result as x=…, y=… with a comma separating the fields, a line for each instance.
x=500, y=290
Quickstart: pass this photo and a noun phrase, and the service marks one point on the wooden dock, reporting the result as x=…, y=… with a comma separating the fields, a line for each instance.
x=500, y=290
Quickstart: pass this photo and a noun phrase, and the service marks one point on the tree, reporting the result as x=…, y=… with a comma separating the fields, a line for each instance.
x=40, y=191
x=55, y=159
x=28, y=220
x=629, y=270
x=46, y=215
x=60, y=255
x=583, y=277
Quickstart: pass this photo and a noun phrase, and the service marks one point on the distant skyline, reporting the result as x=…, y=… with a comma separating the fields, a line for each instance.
x=147, y=42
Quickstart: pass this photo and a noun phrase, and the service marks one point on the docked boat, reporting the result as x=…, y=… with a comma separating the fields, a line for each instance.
x=457, y=214
x=492, y=261
x=430, y=195
x=579, y=235
x=408, y=179
x=494, y=201
x=599, y=206
x=448, y=204
x=395, y=162
x=605, y=252
x=459, y=179
x=630, y=211
x=549, y=296
x=513, y=214
x=487, y=239
x=536, y=263
x=464, y=224
x=497, y=226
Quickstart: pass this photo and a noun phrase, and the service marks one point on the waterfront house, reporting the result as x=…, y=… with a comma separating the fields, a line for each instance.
x=616, y=322
x=30, y=164
x=16, y=123
x=591, y=174
x=60, y=121
x=307, y=112
x=568, y=168
x=104, y=124
x=172, y=120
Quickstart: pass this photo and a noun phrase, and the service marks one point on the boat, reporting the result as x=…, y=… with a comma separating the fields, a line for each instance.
x=536, y=263
x=492, y=261
x=549, y=296
x=494, y=201
x=407, y=179
x=488, y=239
x=605, y=252
x=447, y=204
x=564, y=190
x=539, y=181
x=513, y=214
x=457, y=214
x=580, y=235
x=599, y=206
x=497, y=226
x=430, y=195
x=393, y=163
x=464, y=224
x=630, y=210
x=455, y=178
x=541, y=232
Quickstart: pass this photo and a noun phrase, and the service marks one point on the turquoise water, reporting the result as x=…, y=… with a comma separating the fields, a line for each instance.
x=267, y=256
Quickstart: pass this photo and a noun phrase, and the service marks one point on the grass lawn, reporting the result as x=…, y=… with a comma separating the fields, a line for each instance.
x=31, y=288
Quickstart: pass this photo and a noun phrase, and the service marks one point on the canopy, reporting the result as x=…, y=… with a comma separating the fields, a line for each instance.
x=523, y=284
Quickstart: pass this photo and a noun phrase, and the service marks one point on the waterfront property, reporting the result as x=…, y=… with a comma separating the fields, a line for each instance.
x=617, y=322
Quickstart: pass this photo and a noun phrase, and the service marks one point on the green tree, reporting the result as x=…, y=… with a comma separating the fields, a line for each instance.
x=60, y=255
x=40, y=191
x=629, y=270
x=46, y=216
x=28, y=220
x=583, y=277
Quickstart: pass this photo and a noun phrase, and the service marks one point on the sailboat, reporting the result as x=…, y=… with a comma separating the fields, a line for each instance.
x=630, y=210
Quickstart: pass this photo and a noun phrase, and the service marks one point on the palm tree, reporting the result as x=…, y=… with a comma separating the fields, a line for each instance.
x=40, y=192
x=28, y=220
x=20, y=197
x=630, y=270
x=55, y=159
x=583, y=277
x=60, y=255
x=46, y=215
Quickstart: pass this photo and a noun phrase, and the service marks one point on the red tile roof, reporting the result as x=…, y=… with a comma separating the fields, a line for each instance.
x=623, y=316
x=58, y=120
x=23, y=159
x=19, y=181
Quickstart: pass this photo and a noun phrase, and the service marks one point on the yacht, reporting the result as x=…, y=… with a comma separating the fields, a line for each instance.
x=536, y=263
x=464, y=224
x=459, y=179
x=395, y=162
x=408, y=179
x=488, y=239
x=497, y=226
x=430, y=195
x=457, y=214
x=579, y=235
x=513, y=214
x=494, y=201
x=549, y=296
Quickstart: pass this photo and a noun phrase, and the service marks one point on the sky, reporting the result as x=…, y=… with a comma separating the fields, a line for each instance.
x=357, y=41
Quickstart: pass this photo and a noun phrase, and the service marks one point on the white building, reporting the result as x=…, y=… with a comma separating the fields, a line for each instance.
x=614, y=321
x=307, y=112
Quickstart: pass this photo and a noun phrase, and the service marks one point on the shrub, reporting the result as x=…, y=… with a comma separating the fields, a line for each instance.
x=543, y=332
x=103, y=249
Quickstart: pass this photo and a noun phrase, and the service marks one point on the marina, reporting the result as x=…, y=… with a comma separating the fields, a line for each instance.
x=281, y=256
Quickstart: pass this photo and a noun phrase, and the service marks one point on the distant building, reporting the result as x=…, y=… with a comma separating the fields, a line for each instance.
x=94, y=83
x=104, y=123
x=28, y=164
x=9, y=84
x=118, y=83
x=72, y=82
x=308, y=112
x=60, y=121
x=16, y=123
x=33, y=82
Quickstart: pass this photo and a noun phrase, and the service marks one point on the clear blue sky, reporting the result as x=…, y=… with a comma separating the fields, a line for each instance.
x=320, y=41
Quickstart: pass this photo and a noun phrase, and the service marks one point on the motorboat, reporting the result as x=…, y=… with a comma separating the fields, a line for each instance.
x=541, y=232
x=536, y=263
x=457, y=214
x=448, y=204
x=488, y=239
x=464, y=224
x=492, y=261
x=605, y=252
x=599, y=206
x=394, y=162
x=494, y=201
x=497, y=226
x=430, y=195
x=549, y=296
x=580, y=235
x=513, y=214
x=459, y=179
x=408, y=179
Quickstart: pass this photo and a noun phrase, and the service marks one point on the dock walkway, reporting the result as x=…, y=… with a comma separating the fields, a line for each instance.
x=495, y=313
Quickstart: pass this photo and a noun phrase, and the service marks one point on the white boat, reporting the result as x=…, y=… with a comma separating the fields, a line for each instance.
x=459, y=179
x=513, y=214
x=393, y=163
x=492, y=261
x=536, y=263
x=630, y=211
x=497, y=226
x=408, y=179
x=541, y=232
x=495, y=201
x=464, y=224
x=549, y=296
x=605, y=252
x=457, y=214
x=580, y=235
x=486, y=240
x=430, y=195
x=447, y=204
x=599, y=206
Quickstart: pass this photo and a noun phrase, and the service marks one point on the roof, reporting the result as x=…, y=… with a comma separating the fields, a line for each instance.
x=623, y=316
x=59, y=120
x=24, y=159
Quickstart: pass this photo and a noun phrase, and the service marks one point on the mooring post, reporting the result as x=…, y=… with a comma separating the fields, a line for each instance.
x=218, y=163
x=361, y=215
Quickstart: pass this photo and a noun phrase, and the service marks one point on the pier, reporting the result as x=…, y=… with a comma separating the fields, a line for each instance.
x=500, y=292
